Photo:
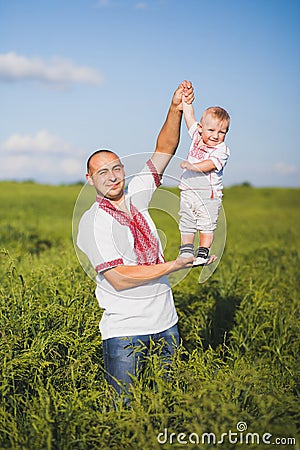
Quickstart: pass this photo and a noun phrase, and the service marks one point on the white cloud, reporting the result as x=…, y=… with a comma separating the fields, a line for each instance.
x=56, y=72
x=42, y=157
x=285, y=169
x=41, y=142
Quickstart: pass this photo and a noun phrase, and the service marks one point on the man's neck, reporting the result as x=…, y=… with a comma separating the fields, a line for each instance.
x=118, y=203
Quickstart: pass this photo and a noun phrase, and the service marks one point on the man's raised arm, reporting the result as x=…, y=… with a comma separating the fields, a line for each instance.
x=168, y=138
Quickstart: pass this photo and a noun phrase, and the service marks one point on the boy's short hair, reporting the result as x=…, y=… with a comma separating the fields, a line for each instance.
x=218, y=113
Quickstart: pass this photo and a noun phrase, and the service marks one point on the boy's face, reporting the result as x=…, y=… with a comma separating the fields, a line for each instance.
x=212, y=130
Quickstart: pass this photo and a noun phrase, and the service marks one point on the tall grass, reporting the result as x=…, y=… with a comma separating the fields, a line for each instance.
x=239, y=357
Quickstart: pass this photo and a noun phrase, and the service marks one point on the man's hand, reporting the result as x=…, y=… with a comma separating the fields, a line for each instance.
x=183, y=263
x=211, y=259
x=187, y=263
x=184, y=92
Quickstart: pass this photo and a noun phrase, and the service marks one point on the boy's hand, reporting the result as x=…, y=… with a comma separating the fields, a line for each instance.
x=187, y=165
x=188, y=92
x=186, y=85
x=185, y=91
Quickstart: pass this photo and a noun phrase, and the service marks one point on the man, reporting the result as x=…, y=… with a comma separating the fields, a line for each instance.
x=121, y=241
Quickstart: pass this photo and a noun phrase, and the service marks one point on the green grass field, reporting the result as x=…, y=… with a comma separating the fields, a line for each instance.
x=237, y=368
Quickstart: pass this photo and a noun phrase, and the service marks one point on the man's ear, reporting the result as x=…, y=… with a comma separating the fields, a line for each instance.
x=199, y=127
x=89, y=180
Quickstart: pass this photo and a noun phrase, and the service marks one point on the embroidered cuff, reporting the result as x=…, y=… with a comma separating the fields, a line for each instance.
x=155, y=174
x=109, y=265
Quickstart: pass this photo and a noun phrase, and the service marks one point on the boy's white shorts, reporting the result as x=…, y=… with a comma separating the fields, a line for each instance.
x=198, y=211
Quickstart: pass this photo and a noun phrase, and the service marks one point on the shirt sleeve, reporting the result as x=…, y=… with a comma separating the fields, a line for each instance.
x=192, y=129
x=143, y=185
x=92, y=240
x=219, y=156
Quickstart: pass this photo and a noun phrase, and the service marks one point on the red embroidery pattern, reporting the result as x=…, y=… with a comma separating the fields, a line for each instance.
x=109, y=264
x=146, y=246
x=156, y=176
x=199, y=153
x=198, y=150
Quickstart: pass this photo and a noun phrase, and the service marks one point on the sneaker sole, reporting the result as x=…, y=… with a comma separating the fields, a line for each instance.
x=200, y=262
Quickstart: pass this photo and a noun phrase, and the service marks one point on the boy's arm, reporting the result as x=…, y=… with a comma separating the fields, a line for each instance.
x=216, y=161
x=189, y=115
x=204, y=166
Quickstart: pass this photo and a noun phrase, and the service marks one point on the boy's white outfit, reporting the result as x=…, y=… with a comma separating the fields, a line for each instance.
x=201, y=193
x=110, y=237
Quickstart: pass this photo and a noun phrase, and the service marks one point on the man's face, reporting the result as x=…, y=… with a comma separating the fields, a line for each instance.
x=212, y=131
x=107, y=175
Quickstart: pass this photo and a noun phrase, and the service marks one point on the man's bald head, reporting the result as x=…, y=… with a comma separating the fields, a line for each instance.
x=89, y=163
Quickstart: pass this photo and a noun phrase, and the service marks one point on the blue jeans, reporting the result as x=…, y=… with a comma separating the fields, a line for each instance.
x=125, y=356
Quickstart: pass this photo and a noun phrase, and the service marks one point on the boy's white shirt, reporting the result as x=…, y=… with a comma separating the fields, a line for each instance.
x=219, y=154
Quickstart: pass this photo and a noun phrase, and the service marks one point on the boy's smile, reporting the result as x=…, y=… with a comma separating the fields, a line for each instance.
x=213, y=131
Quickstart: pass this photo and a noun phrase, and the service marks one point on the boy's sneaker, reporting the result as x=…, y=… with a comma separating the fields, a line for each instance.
x=186, y=250
x=201, y=256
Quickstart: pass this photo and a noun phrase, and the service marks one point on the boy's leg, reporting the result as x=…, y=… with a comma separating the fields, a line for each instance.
x=187, y=225
x=202, y=252
x=186, y=250
x=206, y=225
x=206, y=239
x=187, y=238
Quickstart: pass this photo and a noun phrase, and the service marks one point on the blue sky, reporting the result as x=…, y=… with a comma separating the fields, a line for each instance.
x=78, y=75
